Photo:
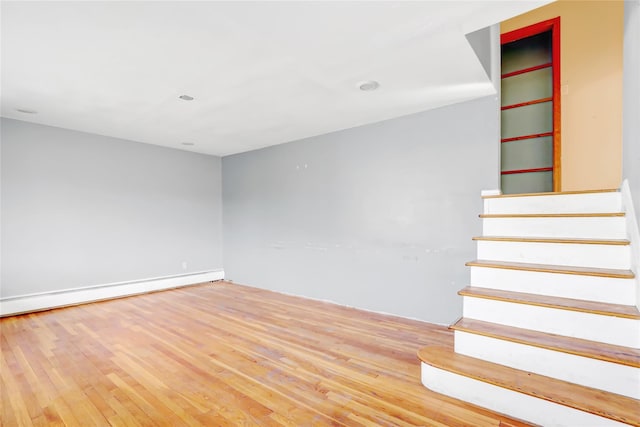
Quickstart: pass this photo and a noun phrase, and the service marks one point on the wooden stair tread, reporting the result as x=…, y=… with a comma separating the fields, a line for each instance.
x=573, y=240
x=605, y=309
x=580, y=347
x=556, y=215
x=605, y=404
x=548, y=268
x=557, y=193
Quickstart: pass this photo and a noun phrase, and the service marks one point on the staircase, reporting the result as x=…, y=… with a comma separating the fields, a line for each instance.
x=550, y=331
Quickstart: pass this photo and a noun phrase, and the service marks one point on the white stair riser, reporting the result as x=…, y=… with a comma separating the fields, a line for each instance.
x=612, y=377
x=568, y=254
x=609, y=202
x=510, y=402
x=588, y=326
x=563, y=227
x=591, y=288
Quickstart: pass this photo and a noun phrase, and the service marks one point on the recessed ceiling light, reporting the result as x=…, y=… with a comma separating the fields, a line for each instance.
x=186, y=97
x=26, y=111
x=188, y=143
x=369, y=85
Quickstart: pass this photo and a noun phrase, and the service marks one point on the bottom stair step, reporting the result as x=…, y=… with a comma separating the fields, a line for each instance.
x=593, y=364
x=532, y=397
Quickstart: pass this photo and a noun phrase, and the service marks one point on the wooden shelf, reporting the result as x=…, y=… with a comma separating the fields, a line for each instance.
x=579, y=347
x=548, y=268
x=608, y=405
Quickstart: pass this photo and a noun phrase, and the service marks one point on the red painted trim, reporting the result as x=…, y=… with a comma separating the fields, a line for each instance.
x=526, y=70
x=552, y=25
x=529, y=31
x=526, y=171
x=555, y=46
x=519, y=138
x=524, y=104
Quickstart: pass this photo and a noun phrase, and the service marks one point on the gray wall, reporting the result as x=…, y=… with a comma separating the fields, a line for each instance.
x=480, y=41
x=379, y=217
x=631, y=118
x=81, y=210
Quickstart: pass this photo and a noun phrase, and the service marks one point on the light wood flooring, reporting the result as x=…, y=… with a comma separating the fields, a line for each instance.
x=221, y=354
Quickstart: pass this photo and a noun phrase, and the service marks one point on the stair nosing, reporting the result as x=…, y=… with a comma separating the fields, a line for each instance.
x=556, y=269
x=557, y=193
x=569, y=304
x=467, y=366
x=555, y=215
x=568, y=346
x=573, y=240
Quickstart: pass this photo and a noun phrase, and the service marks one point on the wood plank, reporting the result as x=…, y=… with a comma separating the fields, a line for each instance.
x=548, y=268
x=222, y=354
x=556, y=215
x=608, y=405
x=579, y=347
x=574, y=240
x=601, y=308
x=555, y=193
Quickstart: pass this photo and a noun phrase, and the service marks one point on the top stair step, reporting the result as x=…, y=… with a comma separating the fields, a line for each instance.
x=556, y=215
x=570, y=202
x=554, y=193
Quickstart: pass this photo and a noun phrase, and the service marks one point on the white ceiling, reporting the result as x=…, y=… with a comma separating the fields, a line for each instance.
x=261, y=73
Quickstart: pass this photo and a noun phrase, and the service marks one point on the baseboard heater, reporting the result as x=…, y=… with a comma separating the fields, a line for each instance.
x=61, y=298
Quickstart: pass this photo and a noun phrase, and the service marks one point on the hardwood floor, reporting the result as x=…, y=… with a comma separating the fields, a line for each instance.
x=221, y=354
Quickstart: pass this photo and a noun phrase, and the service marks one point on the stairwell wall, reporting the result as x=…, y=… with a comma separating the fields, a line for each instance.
x=591, y=78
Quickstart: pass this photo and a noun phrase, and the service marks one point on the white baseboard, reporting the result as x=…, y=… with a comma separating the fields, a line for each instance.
x=47, y=300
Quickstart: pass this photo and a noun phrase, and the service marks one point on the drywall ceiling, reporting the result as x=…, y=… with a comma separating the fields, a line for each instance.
x=261, y=73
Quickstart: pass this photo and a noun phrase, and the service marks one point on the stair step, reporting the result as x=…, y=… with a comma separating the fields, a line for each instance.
x=548, y=268
x=606, y=226
x=554, y=203
x=614, y=242
x=591, y=363
x=615, y=324
x=614, y=290
x=605, y=309
x=570, y=252
x=589, y=400
x=555, y=215
x=557, y=193
x=591, y=349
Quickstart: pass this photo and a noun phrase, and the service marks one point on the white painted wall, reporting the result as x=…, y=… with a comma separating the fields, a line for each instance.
x=82, y=210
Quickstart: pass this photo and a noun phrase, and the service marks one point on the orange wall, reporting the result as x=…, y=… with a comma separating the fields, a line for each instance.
x=591, y=84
